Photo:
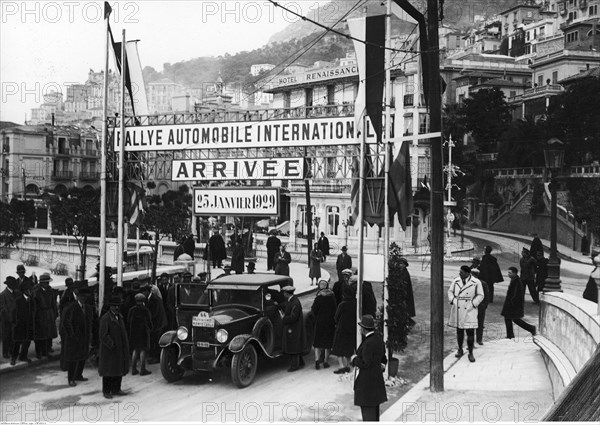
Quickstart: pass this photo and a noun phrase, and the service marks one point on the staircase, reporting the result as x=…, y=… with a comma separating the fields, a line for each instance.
x=509, y=206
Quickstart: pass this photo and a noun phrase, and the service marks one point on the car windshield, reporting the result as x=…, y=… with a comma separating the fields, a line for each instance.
x=250, y=298
x=191, y=295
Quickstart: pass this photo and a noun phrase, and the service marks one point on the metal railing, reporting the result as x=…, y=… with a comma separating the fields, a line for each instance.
x=507, y=207
x=527, y=172
x=62, y=175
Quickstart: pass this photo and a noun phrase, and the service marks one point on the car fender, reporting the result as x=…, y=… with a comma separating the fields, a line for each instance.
x=238, y=343
x=168, y=338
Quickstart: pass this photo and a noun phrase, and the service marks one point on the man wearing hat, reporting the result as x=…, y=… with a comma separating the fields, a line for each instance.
x=465, y=294
x=338, y=287
x=159, y=322
x=342, y=263
x=528, y=265
x=114, y=350
x=46, y=312
x=67, y=296
x=76, y=331
x=370, y=359
x=227, y=270
x=251, y=267
x=23, y=323
x=293, y=329
x=22, y=278
x=8, y=305
x=273, y=244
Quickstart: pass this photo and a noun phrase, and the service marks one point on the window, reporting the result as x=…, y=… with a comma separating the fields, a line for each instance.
x=287, y=99
x=572, y=36
x=593, y=10
x=330, y=95
x=409, y=99
x=302, y=225
x=408, y=124
x=423, y=169
x=555, y=77
x=513, y=93
x=540, y=80
x=333, y=220
x=423, y=123
x=572, y=16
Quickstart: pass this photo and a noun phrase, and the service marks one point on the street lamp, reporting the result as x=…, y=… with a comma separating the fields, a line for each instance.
x=554, y=156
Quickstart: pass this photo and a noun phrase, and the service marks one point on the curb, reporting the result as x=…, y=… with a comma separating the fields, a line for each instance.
x=7, y=368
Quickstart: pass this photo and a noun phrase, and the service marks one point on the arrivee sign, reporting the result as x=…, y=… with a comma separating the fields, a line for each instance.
x=240, y=168
x=236, y=201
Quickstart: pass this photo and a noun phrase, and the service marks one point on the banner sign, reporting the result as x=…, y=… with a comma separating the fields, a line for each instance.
x=243, y=134
x=236, y=169
x=313, y=76
x=236, y=201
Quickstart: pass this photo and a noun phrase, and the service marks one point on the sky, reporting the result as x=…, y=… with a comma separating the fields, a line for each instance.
x=47, y=45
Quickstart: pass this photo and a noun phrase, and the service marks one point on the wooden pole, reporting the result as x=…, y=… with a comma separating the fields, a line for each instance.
x=120, y=220
x=361, y=227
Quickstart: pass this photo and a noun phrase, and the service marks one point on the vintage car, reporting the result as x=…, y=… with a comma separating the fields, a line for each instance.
x=229, y=322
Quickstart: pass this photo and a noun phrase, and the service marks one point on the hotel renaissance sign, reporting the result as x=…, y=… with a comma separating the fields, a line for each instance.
x=259, y=134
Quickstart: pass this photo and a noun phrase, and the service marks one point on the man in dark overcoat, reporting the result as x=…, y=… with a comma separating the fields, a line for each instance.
x=482, y=307
x=22, y=278
x=8, y=305
x=23, y=322
x=282, y=262
x=293, y=329
x=528, y=265
x=370, y=359
x=67, y=296
x=114, y=350
x=46, y=312
x=514, y=308
x=490, y=271
x=343, y=262
x=273, y=244
x=77, y=321
x=217, y=249
x=323, y=245
x=159, y=322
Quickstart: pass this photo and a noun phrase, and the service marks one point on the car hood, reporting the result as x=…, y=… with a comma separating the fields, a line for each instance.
x=229, y=314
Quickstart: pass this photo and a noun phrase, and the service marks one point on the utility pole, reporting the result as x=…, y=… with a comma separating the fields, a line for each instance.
x=437, y=204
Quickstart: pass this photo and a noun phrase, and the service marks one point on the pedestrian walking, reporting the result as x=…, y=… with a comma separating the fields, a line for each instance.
x=591, y=289
x=528, y=265
x=67, y=296
x=410, y=297
x=536, y=246
x=46, y=313
x=541, y=271
x=237, y=258
x=514, y=305
x=323, y=245
x=273, y=244
x=481, y=308
x=159, y=322
x=344, y=339
x=293, y=329
x=281, y=262
x=139, y=329
x=8, y=306
x=316, y=257
x=343, y=262
x=114, y=350
x=465, y=294
x=23, y=322
x=217, y=251
x=370, y=360
x=323, y=308
x=76, y=326
x=490, y=271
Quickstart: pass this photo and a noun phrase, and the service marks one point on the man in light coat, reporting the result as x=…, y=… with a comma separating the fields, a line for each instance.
x=465, y=294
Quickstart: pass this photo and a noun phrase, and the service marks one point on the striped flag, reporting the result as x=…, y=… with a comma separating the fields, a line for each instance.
x=137, y=204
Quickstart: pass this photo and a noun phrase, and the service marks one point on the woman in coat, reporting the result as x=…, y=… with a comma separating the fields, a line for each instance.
x=281, y=261
x=323, y=308
x=344, y=339
x=114, y=350
x=316, y=257
x=465, y=294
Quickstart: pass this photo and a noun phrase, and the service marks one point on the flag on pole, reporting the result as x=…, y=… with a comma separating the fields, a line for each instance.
x=137, y=204
x=400, y=196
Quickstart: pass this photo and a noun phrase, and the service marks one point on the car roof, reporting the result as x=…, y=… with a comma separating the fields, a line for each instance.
x=252, y=280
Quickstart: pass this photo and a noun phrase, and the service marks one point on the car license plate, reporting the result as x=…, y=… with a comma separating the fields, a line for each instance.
x=203, y=322
x=201, y=344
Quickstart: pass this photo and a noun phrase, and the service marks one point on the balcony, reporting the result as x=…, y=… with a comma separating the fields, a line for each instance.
x=322, y=186
x=60, y=151
x=90, y=152
x=89, y=176
x=542, y=91
x=62, y=175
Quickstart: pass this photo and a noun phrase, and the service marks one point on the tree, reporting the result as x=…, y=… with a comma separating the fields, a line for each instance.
x=167, y=216
x=585, y=200
x=11, y=225
x=486, y=115
x=77, y=213
x=521, y=145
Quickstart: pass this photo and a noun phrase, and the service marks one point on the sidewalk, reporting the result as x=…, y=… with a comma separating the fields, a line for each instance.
x=564, y=252
x=507, y=383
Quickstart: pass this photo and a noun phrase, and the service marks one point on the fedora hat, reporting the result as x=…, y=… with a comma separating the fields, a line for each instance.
x=367, y=322
x=10, y=281
x=45, y=277
x=115, y=300
x=347, y=272
x=20, y=268
x=290, y=289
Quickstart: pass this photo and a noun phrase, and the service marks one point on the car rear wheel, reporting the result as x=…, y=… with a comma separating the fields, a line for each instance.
x=169, y=368
x=243, y=366
x=263, y=331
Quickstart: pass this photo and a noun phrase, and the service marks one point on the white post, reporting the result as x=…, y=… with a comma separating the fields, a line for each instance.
x=103, y=146
x=361, y=228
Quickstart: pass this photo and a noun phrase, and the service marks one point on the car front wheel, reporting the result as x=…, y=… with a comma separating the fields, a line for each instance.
x=243, y=366
x=169, y=368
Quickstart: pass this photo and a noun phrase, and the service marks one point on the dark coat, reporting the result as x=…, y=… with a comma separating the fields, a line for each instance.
x=294, y=338
x=489, y=270
x=114, y=346
x=170, y=308
x=217, y=248
x=316, y=256
x=536, y=245
x=514, y=303
x=528, y=265
x=343, y=262
x=281, y=262
x=273, y=244
x=46, y=312
x=369, y=386
x=157, y=313
x=66, y=299
x=237, y=259
x=189, y=246
x=76, y=332
x=541, y=273
x=140, y=326
x=323, y=245
x=344, y=339
x=8, y=305
x=369, y=301
x=24, y=318
x=591, y=291
x=486, y=295
x=338, y=290
x=410, y=297
x=323, y=308
x=127, y=305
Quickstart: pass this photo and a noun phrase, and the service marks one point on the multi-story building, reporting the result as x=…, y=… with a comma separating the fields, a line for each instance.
x=160, y=94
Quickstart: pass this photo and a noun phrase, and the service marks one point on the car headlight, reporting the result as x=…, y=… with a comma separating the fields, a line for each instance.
x=182, y=333
x=222, y=335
